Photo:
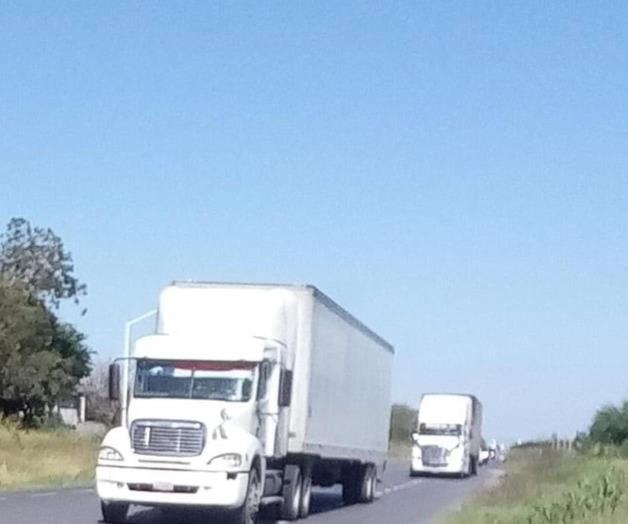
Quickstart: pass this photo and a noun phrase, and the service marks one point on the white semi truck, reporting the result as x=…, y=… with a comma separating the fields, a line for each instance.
x=247, y=395
x=448, y=436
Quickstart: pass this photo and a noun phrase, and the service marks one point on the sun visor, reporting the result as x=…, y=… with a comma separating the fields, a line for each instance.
x=169, y=347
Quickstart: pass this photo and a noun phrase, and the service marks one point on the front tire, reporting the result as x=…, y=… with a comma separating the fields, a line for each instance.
x=114, y=512
x=249, y=512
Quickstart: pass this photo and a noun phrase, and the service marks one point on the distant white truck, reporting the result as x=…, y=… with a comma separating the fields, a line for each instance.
x=247, y=395
x=448, y=436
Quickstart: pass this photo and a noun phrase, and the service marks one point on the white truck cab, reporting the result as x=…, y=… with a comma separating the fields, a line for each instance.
x=226, y=407
x=448, y=436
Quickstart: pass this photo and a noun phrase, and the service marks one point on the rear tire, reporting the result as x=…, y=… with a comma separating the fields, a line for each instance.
x=306, y=495
x=367, y=484
x=114, y=512
x=292, y=486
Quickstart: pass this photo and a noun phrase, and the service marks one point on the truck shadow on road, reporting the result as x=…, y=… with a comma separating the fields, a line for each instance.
x=322, y=502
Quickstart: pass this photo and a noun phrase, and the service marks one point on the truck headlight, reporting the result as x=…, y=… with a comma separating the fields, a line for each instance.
x=227, y=460
x=416, y=452
x=108, y=453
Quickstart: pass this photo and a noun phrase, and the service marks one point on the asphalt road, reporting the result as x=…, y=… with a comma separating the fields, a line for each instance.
x=401, y=500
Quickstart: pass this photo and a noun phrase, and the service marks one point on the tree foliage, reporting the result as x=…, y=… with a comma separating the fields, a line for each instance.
x=402, y=422
x=36, y=258
x=43, y=359
x=610, y=425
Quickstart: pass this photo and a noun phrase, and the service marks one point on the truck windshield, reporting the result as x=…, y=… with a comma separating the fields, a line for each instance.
x=226, y=381
x=440, y=429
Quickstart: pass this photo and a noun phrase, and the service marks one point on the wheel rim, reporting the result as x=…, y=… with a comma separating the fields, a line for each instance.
x=297, y=496
x=371, y=489
x=306, y=496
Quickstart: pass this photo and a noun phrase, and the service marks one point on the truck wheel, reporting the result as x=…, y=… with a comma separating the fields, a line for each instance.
x=249, y=512
x=292, y=486
x=114, y=512
x=306, y=495
x=366, y=483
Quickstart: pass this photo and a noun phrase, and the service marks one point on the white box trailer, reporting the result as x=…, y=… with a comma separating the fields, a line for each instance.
x=248, y=394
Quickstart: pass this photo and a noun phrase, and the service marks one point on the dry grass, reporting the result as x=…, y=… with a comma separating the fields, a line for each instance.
x=44, y=458
x=549, y=480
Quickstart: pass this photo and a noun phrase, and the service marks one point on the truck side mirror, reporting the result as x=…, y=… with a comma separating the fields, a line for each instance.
x=415, y=437
x=285, y=388
x=114, y=381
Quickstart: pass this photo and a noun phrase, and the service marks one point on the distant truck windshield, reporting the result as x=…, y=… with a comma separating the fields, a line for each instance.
x=440, y=429
x=223, y=381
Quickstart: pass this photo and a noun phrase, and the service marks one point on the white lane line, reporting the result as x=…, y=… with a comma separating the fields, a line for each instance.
x=46, y=494
x=400, y=487
x=83, y=490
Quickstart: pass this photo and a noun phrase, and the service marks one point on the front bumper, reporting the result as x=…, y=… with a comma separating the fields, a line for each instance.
x=153, y=487
x=451, y=468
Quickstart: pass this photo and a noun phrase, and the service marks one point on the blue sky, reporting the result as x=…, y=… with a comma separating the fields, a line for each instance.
x=454, y=173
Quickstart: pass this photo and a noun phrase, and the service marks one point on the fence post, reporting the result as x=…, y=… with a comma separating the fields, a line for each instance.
x=81, y=408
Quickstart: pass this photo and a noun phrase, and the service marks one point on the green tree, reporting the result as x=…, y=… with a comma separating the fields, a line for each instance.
x=402, y=422
x=36, y=258
x=43, y=359
x=610, y=425
x=25, y=337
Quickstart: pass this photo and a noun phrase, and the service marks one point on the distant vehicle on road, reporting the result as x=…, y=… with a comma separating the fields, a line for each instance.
x=247, y=395
x=448, y=436
x=484, y=454
x=492, y=450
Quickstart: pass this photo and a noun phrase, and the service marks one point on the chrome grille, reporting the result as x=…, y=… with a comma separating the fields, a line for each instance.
x=164, y=437
x=433, y=455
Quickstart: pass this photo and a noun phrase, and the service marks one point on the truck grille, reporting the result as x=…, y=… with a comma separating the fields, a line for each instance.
x=434, y=456
x=163, y=437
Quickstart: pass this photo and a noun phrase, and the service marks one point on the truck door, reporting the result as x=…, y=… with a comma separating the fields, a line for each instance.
x=268, y=406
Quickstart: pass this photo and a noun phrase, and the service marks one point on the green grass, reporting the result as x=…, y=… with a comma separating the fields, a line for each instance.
x=40, y=458
x=546, y=487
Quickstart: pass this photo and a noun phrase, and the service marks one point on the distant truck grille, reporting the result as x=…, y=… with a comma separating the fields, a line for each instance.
x=433, y=456
x=164, y=437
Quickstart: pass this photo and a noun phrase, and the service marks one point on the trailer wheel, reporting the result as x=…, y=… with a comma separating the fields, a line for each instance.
x=306, y=495
x=114, y=512
x=366, y=483
x=249, y=512
x=292, y=488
